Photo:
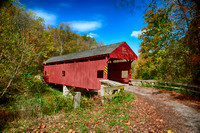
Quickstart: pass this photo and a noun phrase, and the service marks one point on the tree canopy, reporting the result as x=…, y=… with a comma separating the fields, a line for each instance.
x=26, y=43
x=170, y=43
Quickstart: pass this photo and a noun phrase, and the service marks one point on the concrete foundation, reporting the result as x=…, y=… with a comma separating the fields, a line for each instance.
x=65, y=90
x=77, y=100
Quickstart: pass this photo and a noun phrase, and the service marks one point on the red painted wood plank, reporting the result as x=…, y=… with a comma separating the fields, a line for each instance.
x=123, y=52
x=79, y=74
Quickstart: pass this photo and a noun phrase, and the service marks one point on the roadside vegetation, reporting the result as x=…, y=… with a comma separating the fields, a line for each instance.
x=25, y=43
x=38, y=113
x=31, y=105
x=178, y=89
x=170, y=45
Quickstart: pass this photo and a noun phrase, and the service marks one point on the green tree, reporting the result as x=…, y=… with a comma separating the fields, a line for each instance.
x=156, y=36
x=19, y=29
x=170, y=43
x=26, y=44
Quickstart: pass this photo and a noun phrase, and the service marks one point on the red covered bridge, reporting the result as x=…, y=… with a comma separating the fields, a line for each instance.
x=85, y=69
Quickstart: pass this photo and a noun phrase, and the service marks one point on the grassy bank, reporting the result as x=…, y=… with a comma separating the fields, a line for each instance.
x=34, y=103
x=23, y=114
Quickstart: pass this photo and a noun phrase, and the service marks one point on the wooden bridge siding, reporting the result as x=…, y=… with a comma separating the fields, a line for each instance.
x=79, y=74
x=120, y=53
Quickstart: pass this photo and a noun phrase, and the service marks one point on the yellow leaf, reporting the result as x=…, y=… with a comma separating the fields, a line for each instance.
x=169, y=131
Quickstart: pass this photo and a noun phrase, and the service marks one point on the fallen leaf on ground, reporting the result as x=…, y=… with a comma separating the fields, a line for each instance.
x=169, y=131
x=96, y=122
x=91, y=121
x=42, y=126
x=128, y=123
x=70, y=131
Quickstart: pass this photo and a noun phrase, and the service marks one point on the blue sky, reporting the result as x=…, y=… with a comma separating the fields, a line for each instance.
x=100, y=19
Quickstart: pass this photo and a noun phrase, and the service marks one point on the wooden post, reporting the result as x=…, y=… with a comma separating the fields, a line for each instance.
x=77, y=100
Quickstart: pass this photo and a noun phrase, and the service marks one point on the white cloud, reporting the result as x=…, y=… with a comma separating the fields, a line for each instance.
x=92, y=35
x=136, y=33
x=84, y=26
x=48, y=18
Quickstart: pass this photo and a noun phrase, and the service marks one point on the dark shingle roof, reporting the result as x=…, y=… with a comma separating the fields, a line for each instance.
x=107, y=49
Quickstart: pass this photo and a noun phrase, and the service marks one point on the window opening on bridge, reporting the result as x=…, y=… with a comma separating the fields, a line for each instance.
x=125, y=74
x=63, y=73
x=100, y=74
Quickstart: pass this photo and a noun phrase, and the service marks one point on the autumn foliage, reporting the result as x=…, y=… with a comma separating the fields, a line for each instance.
x=25, y=43
x=170, y=43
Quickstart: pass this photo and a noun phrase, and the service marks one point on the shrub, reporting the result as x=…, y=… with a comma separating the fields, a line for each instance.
x=123, y=96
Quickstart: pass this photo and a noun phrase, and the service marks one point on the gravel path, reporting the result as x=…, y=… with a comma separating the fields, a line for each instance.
x=182, y=114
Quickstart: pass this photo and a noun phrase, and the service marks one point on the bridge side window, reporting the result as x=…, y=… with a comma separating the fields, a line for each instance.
x=63, y=73
x=125, y=74
x=100, y=74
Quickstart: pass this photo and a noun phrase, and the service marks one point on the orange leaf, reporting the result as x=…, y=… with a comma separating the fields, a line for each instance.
x=42, y=126
x=96, y=122
x=128, y=123
x=91, y=121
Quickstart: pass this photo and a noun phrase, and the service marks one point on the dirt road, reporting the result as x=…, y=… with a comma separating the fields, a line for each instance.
x=180, y=113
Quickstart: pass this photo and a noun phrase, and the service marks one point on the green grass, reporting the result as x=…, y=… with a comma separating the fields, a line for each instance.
x=91, y=116
x=33, y=104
